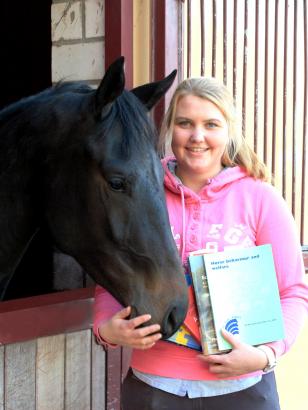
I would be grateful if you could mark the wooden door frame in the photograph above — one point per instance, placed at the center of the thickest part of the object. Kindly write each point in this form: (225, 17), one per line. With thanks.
(119, 35)
(165, 47)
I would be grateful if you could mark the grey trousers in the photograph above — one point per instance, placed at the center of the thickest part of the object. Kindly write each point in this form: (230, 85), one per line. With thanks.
(137, 395)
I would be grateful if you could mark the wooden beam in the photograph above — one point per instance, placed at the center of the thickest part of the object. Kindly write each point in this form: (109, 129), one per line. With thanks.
(119, 35)
(46, 315)
(166, 47)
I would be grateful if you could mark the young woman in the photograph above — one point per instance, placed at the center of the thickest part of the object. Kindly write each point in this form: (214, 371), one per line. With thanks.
(218, 196)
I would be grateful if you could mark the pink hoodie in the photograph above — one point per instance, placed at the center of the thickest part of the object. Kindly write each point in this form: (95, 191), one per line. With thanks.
(231, 210)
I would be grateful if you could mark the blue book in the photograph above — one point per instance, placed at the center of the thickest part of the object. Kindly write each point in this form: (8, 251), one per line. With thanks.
(243, 294)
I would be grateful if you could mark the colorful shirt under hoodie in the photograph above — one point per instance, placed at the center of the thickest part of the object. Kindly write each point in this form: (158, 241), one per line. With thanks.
(232, 210)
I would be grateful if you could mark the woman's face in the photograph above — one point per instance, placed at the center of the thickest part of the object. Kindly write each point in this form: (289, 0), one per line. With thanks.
(199, 138)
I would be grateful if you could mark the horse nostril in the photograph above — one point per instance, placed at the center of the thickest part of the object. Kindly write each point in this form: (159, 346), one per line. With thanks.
(171, 322)
(133, 312)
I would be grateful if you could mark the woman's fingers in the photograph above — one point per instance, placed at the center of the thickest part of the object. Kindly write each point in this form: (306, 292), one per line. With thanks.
(147, 330)
(132, 332)
(123, 314)
(146, 342)
(146, 335)
(139, 320)
(142, 337)
(136, 321)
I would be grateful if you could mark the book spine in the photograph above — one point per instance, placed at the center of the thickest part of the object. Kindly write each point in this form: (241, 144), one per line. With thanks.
(203, 301)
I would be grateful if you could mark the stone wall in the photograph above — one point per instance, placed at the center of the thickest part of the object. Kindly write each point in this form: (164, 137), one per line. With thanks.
(77, 40)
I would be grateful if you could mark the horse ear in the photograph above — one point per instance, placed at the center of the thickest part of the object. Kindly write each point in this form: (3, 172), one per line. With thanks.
(149, 94)
(112, 84)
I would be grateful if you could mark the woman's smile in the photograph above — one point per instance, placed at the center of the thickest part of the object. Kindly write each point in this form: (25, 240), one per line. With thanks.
(197, 149)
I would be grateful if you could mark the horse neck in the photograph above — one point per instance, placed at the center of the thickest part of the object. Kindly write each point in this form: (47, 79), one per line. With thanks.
(18, 219)
(19, 190)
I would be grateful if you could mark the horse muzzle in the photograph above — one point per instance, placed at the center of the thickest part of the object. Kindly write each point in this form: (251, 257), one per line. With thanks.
(169, 321)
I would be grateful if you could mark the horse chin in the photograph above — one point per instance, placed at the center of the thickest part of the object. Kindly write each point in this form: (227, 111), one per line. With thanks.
(170, 323)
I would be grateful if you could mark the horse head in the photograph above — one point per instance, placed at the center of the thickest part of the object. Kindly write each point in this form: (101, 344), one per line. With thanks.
(104, 197)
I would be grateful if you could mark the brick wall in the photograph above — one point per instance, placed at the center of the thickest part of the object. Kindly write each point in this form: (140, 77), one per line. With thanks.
(77, 40)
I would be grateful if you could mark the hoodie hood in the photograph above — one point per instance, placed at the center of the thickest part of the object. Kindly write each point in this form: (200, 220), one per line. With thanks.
(213, 189)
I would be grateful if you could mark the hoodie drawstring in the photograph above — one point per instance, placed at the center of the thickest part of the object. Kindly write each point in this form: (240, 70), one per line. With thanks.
(183, 221)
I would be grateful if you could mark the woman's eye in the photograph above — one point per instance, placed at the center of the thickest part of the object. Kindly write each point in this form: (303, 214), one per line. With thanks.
(117, 184)
(184, 124)
(211, 125)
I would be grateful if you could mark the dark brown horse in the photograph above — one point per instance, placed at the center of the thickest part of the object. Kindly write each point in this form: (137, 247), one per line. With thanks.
(83, 163)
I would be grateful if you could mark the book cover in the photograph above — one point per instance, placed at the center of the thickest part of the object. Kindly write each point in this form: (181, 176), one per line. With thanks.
(183, 337)
(244, 295)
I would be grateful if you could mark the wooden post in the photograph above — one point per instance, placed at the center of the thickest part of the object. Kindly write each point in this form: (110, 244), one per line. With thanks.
(166, 47)
(119, 35)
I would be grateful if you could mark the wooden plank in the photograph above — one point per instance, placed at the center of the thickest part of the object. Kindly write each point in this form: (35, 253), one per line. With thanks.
(77, 375)
(113, 385)
(46, 300)
(50, 373)
(126, 358)
(98, 376)
(1, 377)
(19, 376)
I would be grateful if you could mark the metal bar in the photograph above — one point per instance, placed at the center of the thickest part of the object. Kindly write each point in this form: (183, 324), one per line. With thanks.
(304, 154)
(285, 93)
(256, 90)
(202, 8)
(214, 39)
(245, 67)
(275, 92)
(235, 50)
(188, 38)
(180, 36)
(225, 42)
(294, 108)
(265, 124)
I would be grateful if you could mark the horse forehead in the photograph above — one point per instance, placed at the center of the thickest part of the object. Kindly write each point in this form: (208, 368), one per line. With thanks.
(137, 164)
(124, 141)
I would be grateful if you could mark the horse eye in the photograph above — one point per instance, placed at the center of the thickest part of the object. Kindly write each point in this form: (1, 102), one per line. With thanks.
(117, 184)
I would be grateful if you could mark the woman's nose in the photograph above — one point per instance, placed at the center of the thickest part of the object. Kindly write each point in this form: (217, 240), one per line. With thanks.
(198, 134)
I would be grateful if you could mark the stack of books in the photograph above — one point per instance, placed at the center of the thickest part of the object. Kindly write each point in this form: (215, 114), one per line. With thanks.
(235, 290)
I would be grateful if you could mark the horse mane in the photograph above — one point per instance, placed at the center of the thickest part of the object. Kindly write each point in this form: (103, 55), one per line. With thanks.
(126, 110)
(133, 115)
(78, 87)
(16, 108)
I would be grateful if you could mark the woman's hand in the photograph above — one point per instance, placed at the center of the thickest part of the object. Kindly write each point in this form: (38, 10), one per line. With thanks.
(126, 332)
(242, 359)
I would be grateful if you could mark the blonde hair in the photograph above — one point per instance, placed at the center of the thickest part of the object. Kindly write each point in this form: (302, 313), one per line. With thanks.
(237, 151)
